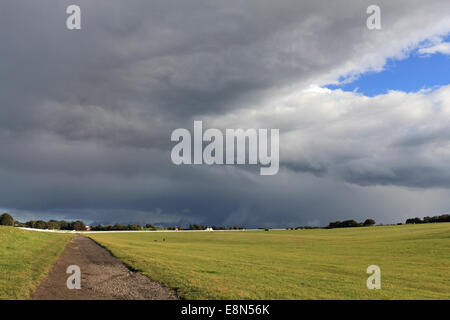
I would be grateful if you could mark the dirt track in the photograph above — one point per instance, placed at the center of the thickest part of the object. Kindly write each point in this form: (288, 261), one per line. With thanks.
(102, 277)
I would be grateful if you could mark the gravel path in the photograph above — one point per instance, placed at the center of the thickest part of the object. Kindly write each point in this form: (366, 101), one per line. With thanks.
(102, 277)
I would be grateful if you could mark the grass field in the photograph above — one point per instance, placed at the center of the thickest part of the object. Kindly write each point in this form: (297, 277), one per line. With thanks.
(25, 259)
(303, 264)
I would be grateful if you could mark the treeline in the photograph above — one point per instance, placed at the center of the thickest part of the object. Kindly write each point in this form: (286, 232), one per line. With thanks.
(350, 224)
(119, 227)
(202, 227)
(135, 227)
(441, 218)
(371, 222)
(53, 225)
(301, 228)
(7, 220)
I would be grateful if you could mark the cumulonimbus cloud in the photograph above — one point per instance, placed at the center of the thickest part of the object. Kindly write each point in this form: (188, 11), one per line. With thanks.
(86, 116)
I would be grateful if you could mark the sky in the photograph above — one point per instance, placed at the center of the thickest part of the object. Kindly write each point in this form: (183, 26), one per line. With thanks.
(427, 67)
(86, 115)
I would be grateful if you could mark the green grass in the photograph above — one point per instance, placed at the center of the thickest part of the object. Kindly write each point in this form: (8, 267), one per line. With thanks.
(25, 259)
(303, 264)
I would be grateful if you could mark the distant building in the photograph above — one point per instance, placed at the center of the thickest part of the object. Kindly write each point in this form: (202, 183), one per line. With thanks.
(209, 229)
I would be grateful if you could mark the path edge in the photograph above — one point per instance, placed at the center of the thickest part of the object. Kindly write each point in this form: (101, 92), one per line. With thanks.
(132, 269)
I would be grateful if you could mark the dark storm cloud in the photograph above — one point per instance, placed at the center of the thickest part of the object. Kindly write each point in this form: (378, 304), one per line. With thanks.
(86, 116)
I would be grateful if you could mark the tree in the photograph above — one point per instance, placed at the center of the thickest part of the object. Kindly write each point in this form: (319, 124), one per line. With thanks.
(6, 220)
(196, 227)
(40, 224)
(336, 224)
(349, 224)
(78, 226)
(413, 221)
(344, 224)
(118, 226)
(134, 227)
(53, 225)
(63, 225)
(369, 222)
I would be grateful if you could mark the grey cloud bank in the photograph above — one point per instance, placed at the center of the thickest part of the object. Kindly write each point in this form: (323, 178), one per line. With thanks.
(86, 116)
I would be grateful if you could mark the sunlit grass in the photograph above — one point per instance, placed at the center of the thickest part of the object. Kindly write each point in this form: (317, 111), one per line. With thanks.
(303, 264)
(25, 259)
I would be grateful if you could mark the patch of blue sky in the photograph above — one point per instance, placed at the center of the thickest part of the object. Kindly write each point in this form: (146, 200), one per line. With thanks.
(416, 72)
